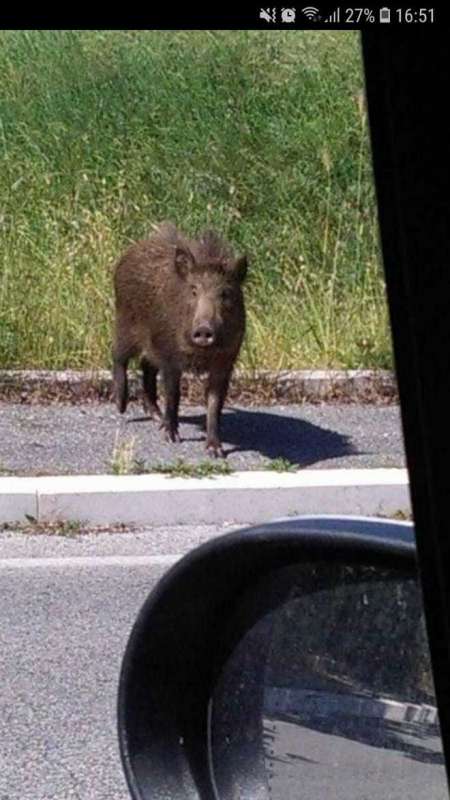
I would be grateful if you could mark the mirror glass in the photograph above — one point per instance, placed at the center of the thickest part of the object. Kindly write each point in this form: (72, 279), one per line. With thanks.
(327, 690)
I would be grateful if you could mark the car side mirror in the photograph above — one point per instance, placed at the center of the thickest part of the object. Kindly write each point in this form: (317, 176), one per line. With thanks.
(283, 661)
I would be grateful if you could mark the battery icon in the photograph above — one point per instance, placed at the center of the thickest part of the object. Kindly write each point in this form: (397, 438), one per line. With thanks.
(385, 15)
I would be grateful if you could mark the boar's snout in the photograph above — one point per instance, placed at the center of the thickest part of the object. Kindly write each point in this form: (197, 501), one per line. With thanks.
(203, 335)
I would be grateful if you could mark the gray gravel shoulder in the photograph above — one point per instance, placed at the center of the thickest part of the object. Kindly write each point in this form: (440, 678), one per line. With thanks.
(150, 541)
(84, 439)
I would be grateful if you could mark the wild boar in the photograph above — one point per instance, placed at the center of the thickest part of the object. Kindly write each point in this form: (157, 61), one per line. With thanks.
(179, 306)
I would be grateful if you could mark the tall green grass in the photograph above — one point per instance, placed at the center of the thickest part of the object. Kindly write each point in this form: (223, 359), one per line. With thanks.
(262, 135)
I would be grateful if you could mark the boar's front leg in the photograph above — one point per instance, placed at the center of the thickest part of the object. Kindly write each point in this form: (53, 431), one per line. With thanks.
(120, 383)
(122, 353)
(149, 373)
(216, 392)
(171, 377)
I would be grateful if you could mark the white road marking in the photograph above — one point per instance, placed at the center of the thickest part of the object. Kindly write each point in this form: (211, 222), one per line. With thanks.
(79, 562)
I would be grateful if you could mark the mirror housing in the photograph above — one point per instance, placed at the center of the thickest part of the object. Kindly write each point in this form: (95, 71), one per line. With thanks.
(188, 628)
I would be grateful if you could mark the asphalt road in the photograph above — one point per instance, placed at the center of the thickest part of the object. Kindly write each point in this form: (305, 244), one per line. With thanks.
(82, 439)
(64, 623)
(66, 609)
(335, 764)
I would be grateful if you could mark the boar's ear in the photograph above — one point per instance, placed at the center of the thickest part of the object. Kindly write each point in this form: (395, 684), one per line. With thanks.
(239, 268)
(184, 261)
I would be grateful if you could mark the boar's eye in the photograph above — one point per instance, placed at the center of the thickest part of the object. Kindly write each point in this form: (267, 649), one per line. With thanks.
(194, 291)
(227, 294)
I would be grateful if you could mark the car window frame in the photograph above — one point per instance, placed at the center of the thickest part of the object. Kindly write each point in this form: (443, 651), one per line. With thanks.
(405, 77)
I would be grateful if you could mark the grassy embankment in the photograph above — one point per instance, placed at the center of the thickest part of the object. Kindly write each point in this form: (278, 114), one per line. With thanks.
(261, 135)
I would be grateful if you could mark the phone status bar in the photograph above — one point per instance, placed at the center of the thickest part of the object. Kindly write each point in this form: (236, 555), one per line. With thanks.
(312, 15)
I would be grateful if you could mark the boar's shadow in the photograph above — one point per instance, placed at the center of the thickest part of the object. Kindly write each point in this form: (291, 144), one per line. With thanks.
(275, 435)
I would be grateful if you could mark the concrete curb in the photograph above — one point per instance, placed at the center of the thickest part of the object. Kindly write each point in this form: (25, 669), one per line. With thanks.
(272, 386)
(242, 497)
(307, 703)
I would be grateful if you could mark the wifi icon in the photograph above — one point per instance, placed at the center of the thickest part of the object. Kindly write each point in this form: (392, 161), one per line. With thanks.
(311, 13)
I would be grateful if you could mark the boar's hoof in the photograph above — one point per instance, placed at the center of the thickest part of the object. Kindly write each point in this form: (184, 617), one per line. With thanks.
(120, 396)
(214, 448)
(152, 409)
(170, 432)
(121, 404)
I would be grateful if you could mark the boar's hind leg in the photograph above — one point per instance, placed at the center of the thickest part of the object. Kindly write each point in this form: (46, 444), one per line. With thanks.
(171, 379)
(216, 392)
(149, 373)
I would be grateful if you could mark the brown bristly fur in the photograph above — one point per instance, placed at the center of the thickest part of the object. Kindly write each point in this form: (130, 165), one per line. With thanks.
(174, 294)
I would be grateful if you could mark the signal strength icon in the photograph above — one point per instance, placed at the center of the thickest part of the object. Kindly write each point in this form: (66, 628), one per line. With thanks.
(311, 13)
(335, 17)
